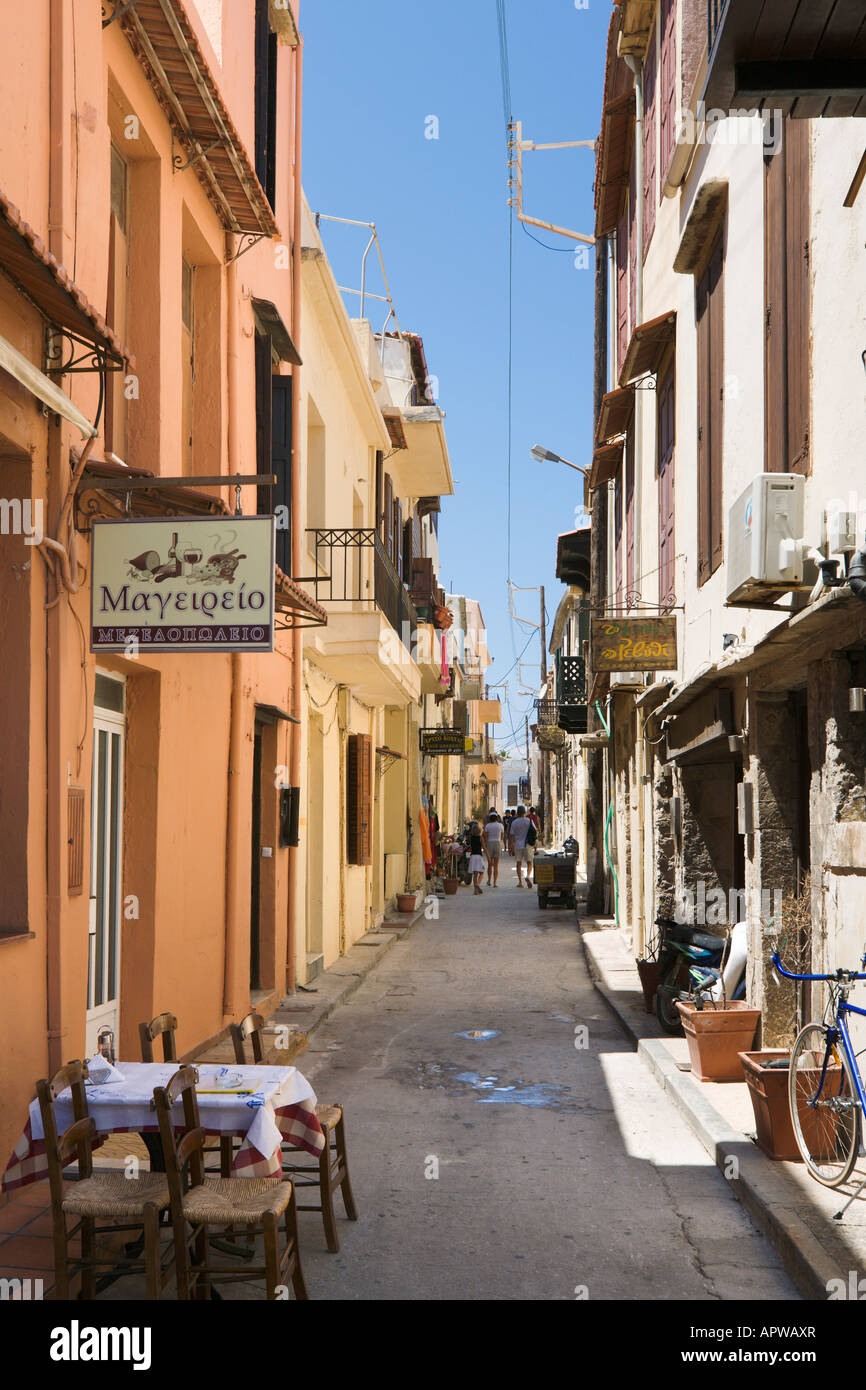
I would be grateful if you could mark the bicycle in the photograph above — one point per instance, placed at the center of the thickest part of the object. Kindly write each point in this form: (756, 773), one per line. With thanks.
(825, 1088)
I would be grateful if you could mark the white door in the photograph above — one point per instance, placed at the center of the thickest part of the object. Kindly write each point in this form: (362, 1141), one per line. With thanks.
(103, 975)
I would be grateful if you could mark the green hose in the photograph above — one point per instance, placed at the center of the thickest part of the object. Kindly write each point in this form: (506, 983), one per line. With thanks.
(607, 828)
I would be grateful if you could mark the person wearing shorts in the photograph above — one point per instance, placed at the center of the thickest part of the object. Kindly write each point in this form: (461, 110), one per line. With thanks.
(493, 836)
(476, 856)
(522, 852)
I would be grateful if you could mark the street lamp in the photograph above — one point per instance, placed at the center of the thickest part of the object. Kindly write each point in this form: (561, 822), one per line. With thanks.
(542, 455)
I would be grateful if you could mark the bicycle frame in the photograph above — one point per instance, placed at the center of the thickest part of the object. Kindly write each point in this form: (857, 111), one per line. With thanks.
(838, 1030)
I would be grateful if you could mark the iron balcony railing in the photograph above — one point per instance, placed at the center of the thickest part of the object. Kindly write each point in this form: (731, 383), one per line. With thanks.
(353, 566)
(570, 680)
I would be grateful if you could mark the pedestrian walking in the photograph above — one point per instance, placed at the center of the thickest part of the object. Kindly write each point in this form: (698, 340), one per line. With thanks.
(492, 837)
(476, 855)
(520, 828)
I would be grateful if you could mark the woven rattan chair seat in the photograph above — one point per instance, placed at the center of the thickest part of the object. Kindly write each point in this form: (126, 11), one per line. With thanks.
(221, 1201)
(114, 1194)
(328, 1115)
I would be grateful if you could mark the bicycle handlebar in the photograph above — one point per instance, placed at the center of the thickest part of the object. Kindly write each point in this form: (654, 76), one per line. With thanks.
(837, 976)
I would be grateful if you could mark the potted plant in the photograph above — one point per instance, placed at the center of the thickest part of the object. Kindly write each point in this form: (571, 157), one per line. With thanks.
(648, 969)
(765, 1070)
(717, 1033)
(407, 902)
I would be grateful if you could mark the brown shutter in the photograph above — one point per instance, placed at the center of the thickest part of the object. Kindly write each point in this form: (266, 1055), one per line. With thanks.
(398, 535)
(665, 436)
(775, 314)
(622, 250)
(388, 515)
(359, 798)
(667, 100)
(75, 840)
(632, 249)
(717, 403)
(796, 147)
(377, 520)
(649, 142)
(617, 532)
(703, 323)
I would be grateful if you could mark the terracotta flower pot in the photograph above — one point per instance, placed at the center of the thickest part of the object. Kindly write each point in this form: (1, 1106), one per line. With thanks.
(716, 1037)
(407, 902)
(768, 1090)
(451, 885)
(649, 979)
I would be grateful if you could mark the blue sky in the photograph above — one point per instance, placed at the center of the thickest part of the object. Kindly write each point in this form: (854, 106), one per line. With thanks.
(373, 74)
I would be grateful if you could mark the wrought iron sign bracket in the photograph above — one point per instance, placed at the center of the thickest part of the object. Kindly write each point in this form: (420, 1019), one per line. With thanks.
(645, 383)
(66, 352)
(386, 758)
(246, 242)
(120, 9)
(178, 162)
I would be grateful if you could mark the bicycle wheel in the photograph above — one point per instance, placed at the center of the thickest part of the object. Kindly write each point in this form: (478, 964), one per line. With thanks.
(825, 1115)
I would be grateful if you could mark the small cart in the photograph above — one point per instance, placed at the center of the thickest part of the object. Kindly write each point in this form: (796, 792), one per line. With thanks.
(555, 876)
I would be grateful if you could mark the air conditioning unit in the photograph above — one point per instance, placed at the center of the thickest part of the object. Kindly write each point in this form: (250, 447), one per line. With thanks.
(626, 679)
(840, 531)
(765, 540)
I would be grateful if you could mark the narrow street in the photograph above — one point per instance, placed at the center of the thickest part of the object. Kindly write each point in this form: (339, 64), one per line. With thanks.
(560, 1168)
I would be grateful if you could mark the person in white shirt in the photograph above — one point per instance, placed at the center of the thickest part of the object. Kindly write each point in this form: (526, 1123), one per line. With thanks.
(492, 837)
(522, 852)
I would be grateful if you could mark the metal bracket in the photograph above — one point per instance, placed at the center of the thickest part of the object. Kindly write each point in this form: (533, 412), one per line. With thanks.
(251, 239)
(645, 383)
(178, 163)
(386, 758)
(120, 9)
(61, 346)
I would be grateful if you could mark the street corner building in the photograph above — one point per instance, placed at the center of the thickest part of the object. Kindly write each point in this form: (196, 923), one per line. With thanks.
(726, 649)
(224, 631)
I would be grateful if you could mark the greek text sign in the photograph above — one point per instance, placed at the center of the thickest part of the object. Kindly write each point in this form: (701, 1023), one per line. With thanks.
(634, 644)
(183, 584)
(442, 742)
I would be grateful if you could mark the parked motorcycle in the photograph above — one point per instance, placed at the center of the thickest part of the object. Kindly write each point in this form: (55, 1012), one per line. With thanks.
(682, 947)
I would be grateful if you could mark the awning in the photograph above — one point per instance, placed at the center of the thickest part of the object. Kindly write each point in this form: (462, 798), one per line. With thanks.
(605, 462)
(270, 714)
(163, 40)
(299, 607)
(42, 387)
(613, 162)
(93, 501)
(572, 558)
(394, 425)
(648, 345)
(616, 411)
(28, 263)
(270, 321)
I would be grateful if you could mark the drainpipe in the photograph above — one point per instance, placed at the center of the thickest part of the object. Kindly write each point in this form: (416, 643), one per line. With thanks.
(237, 831)
(297, 650)
(636, 66)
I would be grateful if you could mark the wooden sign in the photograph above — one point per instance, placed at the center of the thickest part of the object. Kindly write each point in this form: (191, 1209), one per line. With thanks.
(634, 644)
(443, 743)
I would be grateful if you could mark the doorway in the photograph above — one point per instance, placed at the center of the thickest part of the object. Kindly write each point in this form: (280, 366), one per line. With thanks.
(106, 863)
(316, 840)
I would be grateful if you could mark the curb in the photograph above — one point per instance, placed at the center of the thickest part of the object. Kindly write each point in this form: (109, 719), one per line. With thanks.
(763, 1194)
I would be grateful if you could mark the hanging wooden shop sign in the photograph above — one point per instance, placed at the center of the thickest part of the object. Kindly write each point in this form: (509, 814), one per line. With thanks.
(634, 644)
(442, 743)
(183, 584)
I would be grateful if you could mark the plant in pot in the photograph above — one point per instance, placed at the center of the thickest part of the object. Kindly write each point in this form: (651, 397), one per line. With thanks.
(451, 882)
(717, 1031)
(648, 970)
(766, 1070)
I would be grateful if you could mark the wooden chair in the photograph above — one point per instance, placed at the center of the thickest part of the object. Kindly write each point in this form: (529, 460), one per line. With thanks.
(129, 1204)
(332, 1168)
(203, 1202)
(165, 1026)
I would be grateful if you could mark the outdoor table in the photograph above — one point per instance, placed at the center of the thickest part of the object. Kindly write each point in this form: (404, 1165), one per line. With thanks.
(281, 1108)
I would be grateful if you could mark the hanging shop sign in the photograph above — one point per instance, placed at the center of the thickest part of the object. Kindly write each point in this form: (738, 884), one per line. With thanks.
(442, 742)
(183, 584)
(634, 644)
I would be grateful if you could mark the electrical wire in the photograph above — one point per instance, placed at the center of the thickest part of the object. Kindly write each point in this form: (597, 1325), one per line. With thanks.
(563, 250)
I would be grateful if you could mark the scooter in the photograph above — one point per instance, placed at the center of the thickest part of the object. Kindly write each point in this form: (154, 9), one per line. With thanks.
(699, 967)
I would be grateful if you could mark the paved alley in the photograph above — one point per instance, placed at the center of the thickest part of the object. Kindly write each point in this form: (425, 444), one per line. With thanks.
(562, 1170)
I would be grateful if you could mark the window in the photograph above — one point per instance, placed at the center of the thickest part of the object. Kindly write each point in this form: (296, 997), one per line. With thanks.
(667, 90)
(649, 142)
(117, 308)
(359, 799)
(187, 362)
(266, 101)
(786, 303)
(274, 446)
(709, 306)
(665, 431)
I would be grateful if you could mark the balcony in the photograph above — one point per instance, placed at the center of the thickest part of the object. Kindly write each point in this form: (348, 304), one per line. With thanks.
(775, 56)
(372, 621)
(428, 658)
(571, 693)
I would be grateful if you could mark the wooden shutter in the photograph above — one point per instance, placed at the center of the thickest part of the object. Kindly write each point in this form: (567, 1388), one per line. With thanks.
(667, 99)
(632, 249)
(265, 89)
(359, 759)
(264, 406)
(703, 324)
(775, 314)
(281, 464)
(796, 146)
(621, 290)
(75, 840)
(408, 552)
(388, 515)
(377, 521)
(617, 533)
(717, 403)
(629, 519)
(649, 142)
(665, 437)
(397, 534)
